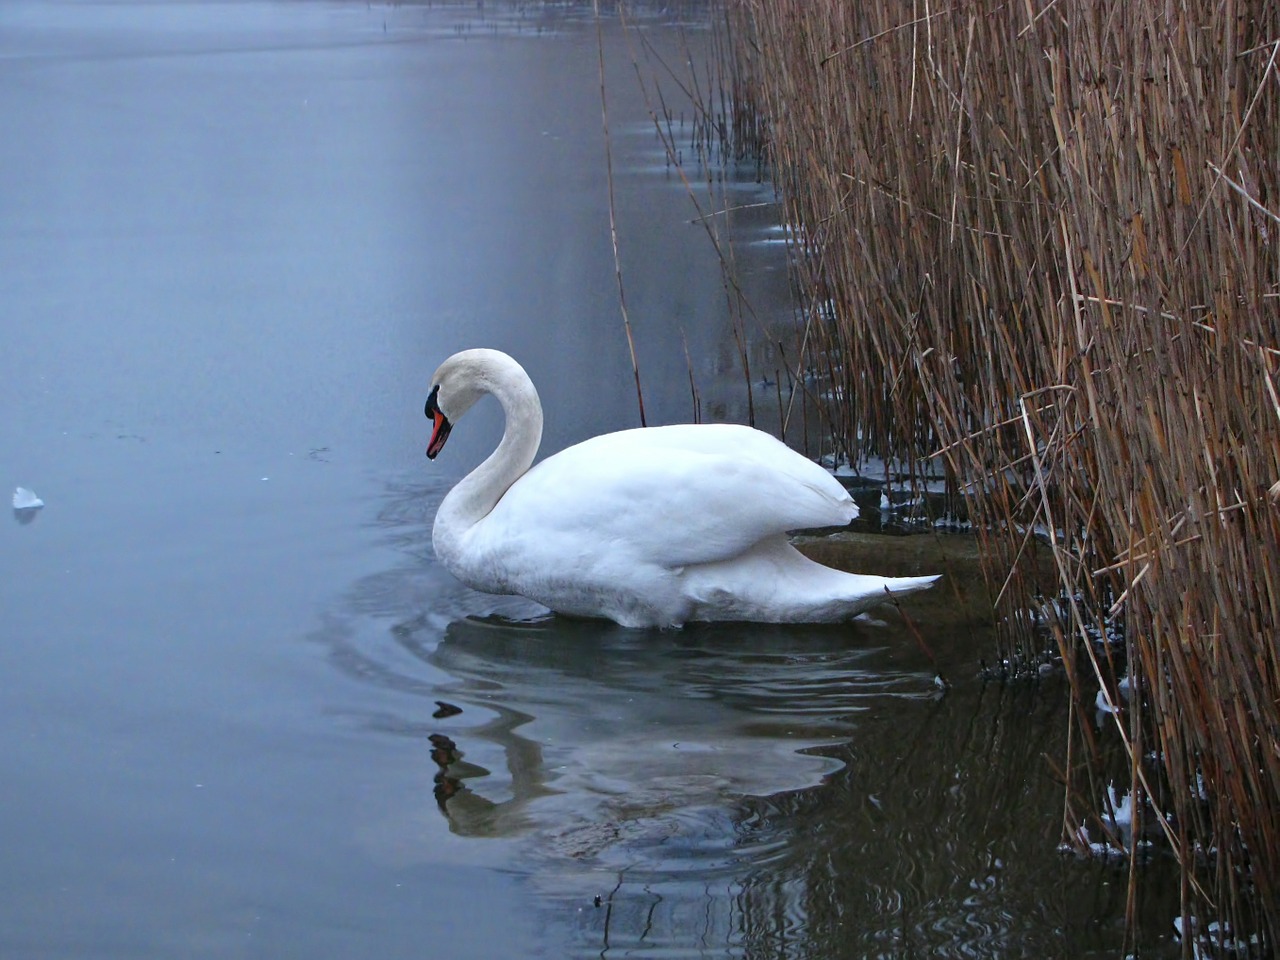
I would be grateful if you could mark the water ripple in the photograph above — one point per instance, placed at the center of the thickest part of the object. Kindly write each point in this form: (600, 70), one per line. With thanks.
(721, 790)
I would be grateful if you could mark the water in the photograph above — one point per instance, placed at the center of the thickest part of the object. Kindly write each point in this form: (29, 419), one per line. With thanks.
(245, 714)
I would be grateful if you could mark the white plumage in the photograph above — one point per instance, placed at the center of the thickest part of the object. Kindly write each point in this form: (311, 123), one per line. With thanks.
(655, 526)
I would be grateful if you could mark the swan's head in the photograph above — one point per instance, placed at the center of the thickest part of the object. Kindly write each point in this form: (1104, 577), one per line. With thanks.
(462, 380)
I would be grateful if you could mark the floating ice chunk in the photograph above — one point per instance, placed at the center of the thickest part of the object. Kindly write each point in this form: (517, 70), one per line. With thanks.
(1104, 705)
(1121, 813)
(24, 499)
(1214, 940)
(1200, 788)
(1087, 846)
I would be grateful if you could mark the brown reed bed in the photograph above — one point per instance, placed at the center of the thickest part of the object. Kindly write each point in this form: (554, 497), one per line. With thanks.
(1040, 243)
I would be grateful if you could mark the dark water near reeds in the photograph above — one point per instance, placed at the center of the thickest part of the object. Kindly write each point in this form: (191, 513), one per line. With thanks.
(235, 239)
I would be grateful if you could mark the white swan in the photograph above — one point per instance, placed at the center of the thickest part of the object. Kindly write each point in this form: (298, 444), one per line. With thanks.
(649, 527)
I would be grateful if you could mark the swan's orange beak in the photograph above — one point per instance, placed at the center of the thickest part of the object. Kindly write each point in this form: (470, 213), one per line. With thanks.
(439, 435)
(440, 425)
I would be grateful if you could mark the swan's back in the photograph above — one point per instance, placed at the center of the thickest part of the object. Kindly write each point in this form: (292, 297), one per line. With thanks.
(677, 495)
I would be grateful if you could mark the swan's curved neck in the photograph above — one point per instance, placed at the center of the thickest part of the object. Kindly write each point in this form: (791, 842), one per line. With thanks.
(468, 503)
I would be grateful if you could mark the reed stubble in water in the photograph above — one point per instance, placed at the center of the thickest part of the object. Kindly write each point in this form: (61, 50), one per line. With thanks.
(1042, 243)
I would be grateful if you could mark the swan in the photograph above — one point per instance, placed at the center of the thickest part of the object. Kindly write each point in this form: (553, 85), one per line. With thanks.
(650, 527)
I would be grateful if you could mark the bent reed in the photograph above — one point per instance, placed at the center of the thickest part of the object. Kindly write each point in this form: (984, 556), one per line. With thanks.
(1040, 243)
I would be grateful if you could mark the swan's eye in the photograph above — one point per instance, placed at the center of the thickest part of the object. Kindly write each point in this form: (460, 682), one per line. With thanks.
(431, 408)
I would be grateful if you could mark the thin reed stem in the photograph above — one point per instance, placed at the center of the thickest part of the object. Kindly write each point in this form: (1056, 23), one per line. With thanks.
(613, 216)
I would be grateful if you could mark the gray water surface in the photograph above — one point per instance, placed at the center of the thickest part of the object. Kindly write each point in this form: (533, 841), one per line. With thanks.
(243, 711)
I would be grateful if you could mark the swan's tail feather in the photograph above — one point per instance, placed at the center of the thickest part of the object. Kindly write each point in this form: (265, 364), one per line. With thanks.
(775, 583)
(898, 586)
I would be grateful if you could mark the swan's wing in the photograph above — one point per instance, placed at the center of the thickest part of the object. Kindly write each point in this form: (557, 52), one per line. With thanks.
(677, 495)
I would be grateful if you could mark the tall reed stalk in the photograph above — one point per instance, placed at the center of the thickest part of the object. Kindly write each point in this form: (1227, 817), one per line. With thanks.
(613, 214)
(1041, 243)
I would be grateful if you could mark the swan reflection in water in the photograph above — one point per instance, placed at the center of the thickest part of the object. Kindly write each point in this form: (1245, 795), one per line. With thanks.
(599, 736)
(753, 787)
(581, 730)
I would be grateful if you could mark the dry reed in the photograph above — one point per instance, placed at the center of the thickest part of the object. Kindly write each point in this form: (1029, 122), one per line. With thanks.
(1041, 243)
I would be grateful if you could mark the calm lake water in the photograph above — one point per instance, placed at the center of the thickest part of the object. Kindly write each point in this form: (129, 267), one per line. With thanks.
(245, 714)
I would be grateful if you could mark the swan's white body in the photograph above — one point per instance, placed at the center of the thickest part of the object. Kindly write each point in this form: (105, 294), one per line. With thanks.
(656, 526)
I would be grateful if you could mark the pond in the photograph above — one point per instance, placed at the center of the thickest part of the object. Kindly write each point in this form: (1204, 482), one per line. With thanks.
(244, 711)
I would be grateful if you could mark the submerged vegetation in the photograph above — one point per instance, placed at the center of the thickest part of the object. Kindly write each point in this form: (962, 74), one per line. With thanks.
(1040, 244)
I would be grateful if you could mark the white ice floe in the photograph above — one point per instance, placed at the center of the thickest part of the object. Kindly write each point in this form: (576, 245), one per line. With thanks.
(1087, 846)
(1103, 704)
(1117, 821)
(1214, 940)
(24, 499)
(1200, 788)
(1120, 815)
